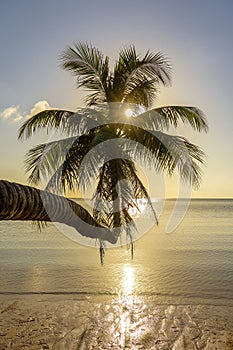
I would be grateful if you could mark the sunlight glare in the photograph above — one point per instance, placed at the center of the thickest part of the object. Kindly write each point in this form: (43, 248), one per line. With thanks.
(129, 112)
(128, 280)
(141, 204)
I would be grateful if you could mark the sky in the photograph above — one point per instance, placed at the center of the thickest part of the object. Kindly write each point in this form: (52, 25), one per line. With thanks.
(195, 35)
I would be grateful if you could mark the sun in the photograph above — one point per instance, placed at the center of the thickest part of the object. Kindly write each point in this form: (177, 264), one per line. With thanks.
(129, 112)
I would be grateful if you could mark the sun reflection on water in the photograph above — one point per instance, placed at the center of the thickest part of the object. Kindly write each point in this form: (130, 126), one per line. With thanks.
(127, 305)
(128, 282)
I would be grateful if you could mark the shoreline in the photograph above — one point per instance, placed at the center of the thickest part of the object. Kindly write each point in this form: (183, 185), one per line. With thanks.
(126, 322)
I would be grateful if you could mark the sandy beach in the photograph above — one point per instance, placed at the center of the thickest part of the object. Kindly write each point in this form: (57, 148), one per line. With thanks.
(60, 322)
(175, 294)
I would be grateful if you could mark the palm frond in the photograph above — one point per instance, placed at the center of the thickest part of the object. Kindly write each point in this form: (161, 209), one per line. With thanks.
(166, 152)
(157, 66)
(112, 197)
(150, 71)
(76, 172)
(44, 159)
(90, 67)
(136, 76)
(83, 121)
(117, 190)
(98, 153)
(47, 119)
(137, 187)
(69, 123)
(161, 118)
(58, 161)
(73, 162)
(140, 90)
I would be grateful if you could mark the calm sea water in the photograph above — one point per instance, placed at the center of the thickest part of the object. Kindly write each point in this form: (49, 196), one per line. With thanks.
(193, 264)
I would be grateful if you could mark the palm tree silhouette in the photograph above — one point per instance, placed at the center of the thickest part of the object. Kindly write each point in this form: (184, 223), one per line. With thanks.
(103, 143)
(20, 202)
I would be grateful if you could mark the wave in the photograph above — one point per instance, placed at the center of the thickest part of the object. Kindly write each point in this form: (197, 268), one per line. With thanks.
(115, 294)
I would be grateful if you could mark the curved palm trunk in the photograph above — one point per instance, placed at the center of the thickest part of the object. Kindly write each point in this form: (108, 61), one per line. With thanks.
(20, 202)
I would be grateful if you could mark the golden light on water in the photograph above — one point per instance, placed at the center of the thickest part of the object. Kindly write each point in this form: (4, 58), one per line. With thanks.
(126, 302)
(36, 280)
(129, 309)
(128, 280)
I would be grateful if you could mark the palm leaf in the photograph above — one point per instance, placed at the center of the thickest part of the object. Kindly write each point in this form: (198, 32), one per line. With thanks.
(58, 161)
(138, 73)
(70, 123)
(117, 190)
(112, 198)
(161, 118)
(47, 119)
(166, 152)
(43, 159)
(90, 67)
(134, 77)
(70, 174)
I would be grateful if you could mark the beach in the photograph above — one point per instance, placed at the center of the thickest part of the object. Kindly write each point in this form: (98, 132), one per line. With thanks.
(177, 292)
(55, 322)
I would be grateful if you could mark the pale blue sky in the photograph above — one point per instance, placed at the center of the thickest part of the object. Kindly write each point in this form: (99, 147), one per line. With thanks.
(195, 35)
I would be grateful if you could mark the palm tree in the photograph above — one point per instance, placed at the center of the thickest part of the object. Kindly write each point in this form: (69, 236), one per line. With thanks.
(20, 202)
(113, 141)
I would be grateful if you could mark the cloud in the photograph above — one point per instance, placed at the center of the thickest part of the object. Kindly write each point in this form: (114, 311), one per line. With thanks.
(12, 113)
(18, 118)
(9, 112)
(37, 108)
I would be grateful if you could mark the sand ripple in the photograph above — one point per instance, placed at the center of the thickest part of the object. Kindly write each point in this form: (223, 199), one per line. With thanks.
(58, 323)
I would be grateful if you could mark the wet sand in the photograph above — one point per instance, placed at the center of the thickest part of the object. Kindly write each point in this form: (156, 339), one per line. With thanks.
(77, 322)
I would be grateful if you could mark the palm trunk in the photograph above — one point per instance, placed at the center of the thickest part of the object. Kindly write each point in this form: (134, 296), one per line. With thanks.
(20, 202)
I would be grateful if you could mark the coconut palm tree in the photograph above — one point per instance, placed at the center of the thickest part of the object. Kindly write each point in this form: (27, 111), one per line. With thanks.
(20, 202)
(101, 142)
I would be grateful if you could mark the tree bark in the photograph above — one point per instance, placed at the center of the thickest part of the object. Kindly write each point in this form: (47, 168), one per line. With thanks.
(20, 202)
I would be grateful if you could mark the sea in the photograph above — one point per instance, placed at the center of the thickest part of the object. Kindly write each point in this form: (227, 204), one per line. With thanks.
(190, 264)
